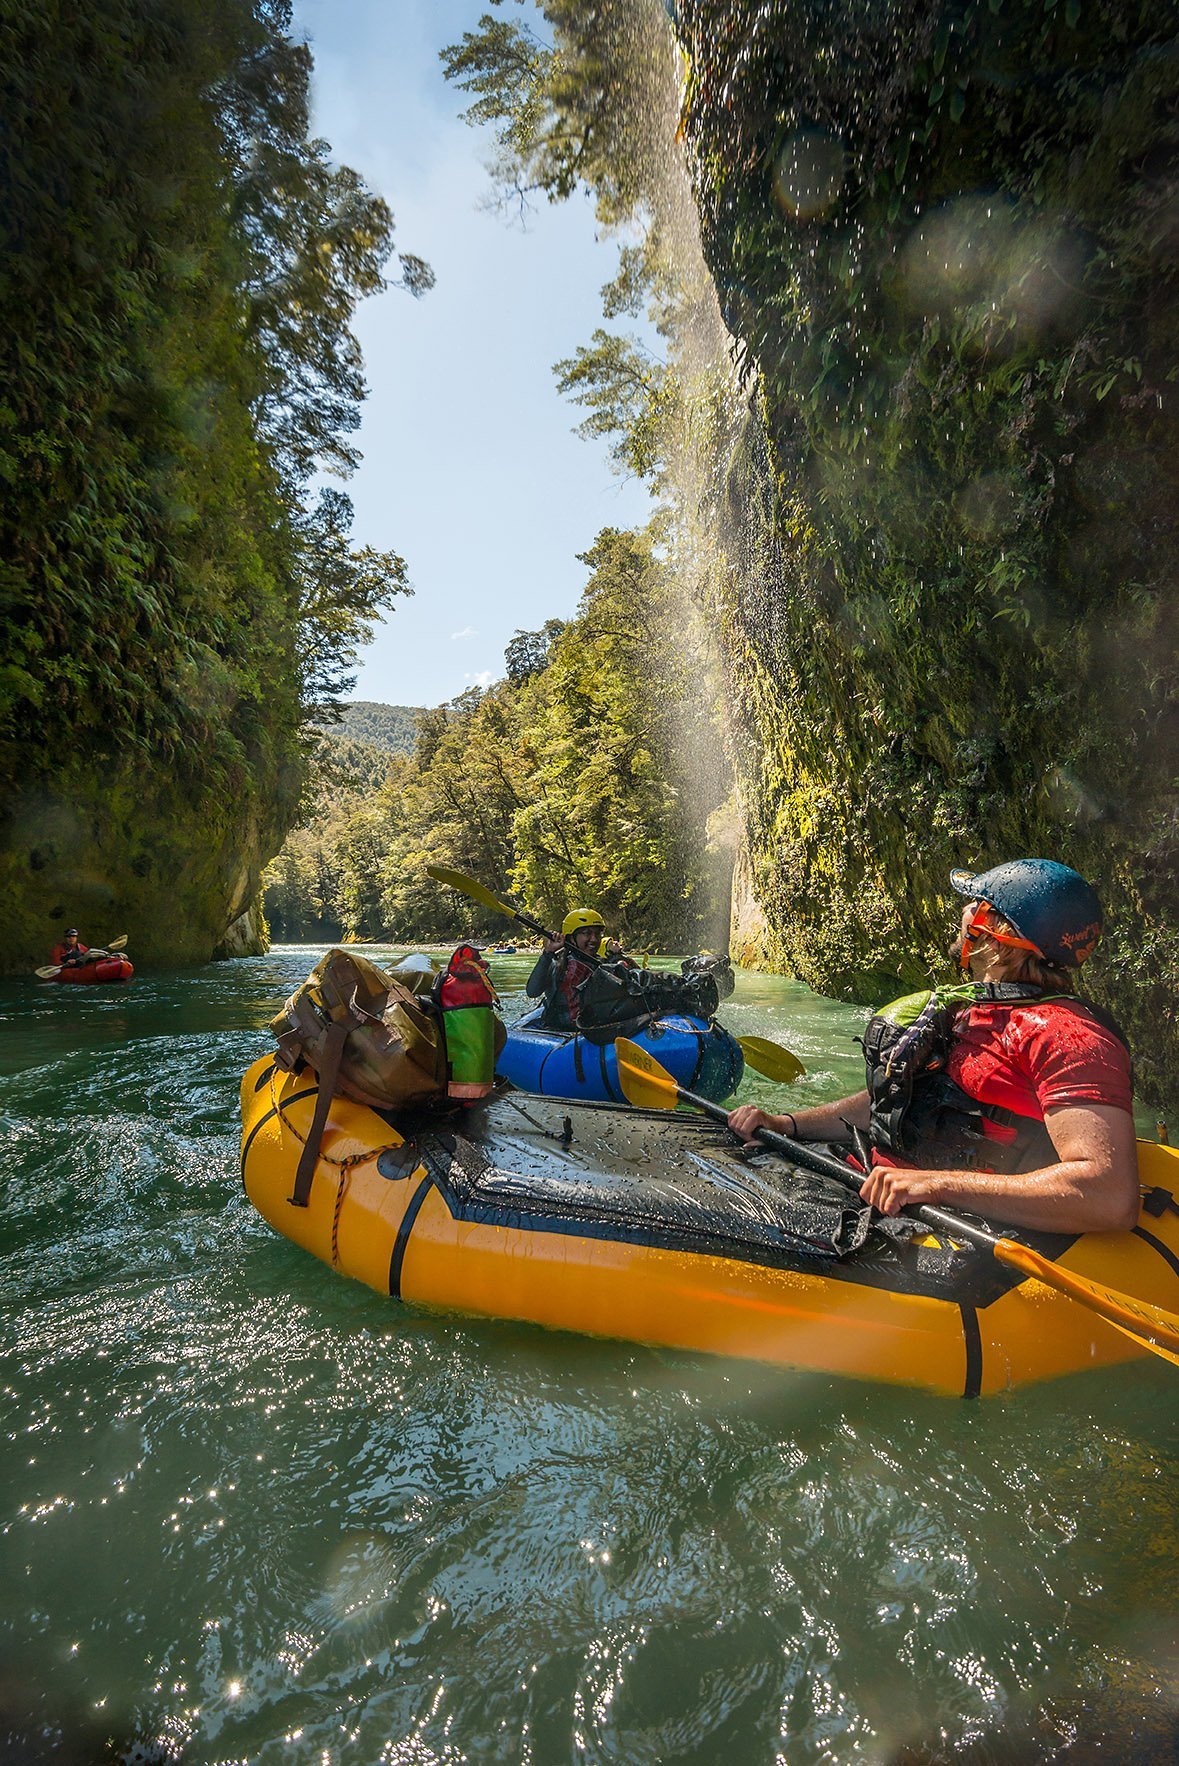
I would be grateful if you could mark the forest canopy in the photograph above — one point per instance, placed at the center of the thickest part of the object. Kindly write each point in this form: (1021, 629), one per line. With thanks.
(587, 775)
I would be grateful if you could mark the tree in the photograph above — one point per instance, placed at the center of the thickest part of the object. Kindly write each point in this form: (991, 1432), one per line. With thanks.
(341, 591)
(624, 388)
(528, 652)
(588, 773)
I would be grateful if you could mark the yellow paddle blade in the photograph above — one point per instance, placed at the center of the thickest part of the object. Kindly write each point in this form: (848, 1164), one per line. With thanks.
(1144, 1341)
(117, 943)
(771, 1059)
(468, 886)
(1152, 1326)
(47, 971)
(644, 1082)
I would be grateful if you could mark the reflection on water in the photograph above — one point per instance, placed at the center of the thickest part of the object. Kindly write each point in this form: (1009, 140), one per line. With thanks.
(250, 1512)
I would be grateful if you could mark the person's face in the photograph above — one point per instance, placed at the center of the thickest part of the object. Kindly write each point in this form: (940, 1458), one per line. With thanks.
(587, 940)
(71, 938)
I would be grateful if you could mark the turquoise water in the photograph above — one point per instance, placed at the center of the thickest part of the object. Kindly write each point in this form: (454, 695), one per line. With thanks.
(250, 1512)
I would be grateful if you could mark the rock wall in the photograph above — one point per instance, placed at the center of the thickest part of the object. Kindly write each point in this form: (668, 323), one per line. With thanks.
(946, 239)
(752, 941)
(120, 853)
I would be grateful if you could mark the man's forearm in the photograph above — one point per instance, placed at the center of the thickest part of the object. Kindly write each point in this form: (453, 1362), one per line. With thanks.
(825, 1122)
(1070, 1196)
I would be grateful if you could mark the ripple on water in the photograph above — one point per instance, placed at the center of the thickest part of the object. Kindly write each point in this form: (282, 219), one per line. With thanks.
(250, 1512)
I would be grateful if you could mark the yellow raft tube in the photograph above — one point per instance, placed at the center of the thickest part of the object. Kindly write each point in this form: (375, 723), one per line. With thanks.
(657, 1228)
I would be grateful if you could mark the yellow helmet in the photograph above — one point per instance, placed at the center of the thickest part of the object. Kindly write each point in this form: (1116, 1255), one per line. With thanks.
(576, 918)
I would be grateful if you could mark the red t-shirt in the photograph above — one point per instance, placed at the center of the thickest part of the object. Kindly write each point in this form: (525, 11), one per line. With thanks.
(60, 952)
(1035, 1057)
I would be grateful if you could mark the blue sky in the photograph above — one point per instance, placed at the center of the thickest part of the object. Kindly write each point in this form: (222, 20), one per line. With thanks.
(471, 468)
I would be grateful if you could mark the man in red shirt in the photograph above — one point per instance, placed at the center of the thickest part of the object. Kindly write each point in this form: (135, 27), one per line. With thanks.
(1007, 1095)
(69, 951)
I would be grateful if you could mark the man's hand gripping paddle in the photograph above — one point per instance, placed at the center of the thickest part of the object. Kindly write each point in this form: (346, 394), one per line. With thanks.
(650, 1086)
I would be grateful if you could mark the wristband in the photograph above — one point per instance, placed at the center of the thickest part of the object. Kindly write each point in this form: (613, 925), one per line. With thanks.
(793, 1125)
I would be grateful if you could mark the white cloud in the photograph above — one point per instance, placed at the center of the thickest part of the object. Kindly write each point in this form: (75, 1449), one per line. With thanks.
(468, 631)
(482, 679)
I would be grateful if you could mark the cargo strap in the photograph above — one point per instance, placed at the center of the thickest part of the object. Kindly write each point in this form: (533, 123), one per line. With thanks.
(328, 1072)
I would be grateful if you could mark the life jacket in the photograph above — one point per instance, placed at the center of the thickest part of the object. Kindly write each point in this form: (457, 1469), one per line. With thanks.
(918, 1112)
(564, 1005)
(68, 953)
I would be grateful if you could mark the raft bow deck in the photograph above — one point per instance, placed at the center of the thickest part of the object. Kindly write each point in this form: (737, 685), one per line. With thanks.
(657, 1228)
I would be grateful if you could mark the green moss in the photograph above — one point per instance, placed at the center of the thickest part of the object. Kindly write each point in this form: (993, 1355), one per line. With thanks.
(179, 266)
(112, 851)
(954, 517)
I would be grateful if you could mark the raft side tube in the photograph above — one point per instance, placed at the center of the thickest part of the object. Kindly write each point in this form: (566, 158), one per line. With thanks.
(402, 1222)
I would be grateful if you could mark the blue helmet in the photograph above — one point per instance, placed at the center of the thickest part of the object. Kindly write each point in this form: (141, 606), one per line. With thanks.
(1050, 904)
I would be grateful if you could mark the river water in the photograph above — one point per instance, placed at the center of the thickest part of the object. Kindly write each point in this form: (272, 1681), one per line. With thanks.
(252, 1512)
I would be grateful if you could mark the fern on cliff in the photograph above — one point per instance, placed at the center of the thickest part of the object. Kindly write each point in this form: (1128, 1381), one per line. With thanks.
(179, 268)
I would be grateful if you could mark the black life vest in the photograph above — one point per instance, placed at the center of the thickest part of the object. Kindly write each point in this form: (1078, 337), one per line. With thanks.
(920, 1114)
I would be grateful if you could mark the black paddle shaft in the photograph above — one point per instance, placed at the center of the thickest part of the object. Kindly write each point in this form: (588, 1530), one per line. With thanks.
(828, 1166)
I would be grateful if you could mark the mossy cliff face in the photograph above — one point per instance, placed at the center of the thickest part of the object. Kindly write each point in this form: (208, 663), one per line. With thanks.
(118, 853)
(179, 263)
(946, 238)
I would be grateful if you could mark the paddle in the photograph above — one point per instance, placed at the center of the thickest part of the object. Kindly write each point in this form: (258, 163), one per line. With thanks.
(468, 886)
(771, 1059)
(649, 1086)
(92, 956)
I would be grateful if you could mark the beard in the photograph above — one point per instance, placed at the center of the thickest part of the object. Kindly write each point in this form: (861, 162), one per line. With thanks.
(954, 951)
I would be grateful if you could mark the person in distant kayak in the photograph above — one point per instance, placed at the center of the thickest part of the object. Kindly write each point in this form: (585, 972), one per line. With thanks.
(69, 952)
(561, 970)
(1007, 1094)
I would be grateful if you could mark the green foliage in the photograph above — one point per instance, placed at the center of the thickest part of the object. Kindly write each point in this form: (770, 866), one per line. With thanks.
(565, 107)
(179, 270)
(314, 243)
(340, 591)
(527, 653)
(391, 728)
(592, 106)
(622, 386)
(620, 783)
(946, 241)
(325, 879)
(587, 774)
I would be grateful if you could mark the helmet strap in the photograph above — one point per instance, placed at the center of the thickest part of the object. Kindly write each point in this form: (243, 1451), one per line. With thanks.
(984, 922)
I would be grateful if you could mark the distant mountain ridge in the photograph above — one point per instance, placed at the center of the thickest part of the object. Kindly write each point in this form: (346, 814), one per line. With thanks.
(391, 728)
